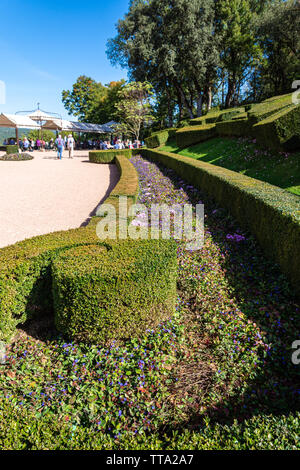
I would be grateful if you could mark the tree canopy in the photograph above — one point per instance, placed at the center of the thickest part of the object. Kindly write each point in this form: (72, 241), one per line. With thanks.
(91, 101)
(194, 52)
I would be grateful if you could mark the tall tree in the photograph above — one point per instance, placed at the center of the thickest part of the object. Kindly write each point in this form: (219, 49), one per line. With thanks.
(170, 43)
(91, 101)
(134, 108)
(239, 50)
(278, 31)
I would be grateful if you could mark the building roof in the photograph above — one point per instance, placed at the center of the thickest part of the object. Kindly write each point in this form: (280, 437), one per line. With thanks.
(16, 121)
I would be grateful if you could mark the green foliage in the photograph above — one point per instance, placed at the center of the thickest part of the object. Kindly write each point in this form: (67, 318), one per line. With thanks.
(280, 130)
(173, 46)
(270, 213)
(12, 149)
(228, 116)
(234, 128)
(114, 291)
(245, 156)
(190, 135)
(16, 157)
(261, 111)
(216, 115)
(91, 101)
(159, 138)
(277, 30)
(45, 134)
(108, 156)
(22, 430)
(58, 395)
(273, 122)
(25, 277)
(134, 108)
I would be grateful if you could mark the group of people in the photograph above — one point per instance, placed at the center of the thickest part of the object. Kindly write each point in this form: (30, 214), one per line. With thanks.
(115, 143)
(29, 145)
(65, 143)
(69, 143)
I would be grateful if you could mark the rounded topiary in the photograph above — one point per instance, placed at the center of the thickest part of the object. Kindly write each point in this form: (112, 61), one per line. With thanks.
(16, 157)
(114, 290)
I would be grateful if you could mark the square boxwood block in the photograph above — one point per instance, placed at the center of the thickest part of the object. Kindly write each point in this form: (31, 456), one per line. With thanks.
(261, 111)
(11, 149)
(159, 138)
(281, 131)
(114, 290)
(234, 128)
(108, 156)
(193, 135)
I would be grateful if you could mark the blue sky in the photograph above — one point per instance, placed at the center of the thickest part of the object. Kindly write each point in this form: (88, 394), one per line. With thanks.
(45, 46)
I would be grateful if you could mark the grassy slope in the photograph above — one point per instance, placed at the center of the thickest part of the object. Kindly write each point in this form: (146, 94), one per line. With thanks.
(244, 156)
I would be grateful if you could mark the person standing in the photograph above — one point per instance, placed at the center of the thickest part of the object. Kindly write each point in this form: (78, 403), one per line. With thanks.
(60, 146)
(71, 145)
(25, 144)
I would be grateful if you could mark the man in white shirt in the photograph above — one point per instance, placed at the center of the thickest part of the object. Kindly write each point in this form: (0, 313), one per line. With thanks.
(71, 145)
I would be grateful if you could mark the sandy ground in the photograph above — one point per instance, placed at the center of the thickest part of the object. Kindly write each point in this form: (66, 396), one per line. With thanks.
(46, 195)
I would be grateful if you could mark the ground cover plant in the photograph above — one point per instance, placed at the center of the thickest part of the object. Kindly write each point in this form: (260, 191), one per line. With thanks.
(16, 157)
(245, 156)
(218, 375)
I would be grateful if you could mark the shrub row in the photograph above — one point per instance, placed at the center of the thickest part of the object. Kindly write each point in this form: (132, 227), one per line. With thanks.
(21, 430)
(159, 138)
(26, 267)
(214, 115)
(108, 156)
(192, 135)
(280, 130)
(270, 213)
(261, 111)
(234, 128)
(114, 290)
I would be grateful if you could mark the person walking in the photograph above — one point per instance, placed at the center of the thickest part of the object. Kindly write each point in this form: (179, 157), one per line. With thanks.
(60, 146)
(71, 145)
(25, 144)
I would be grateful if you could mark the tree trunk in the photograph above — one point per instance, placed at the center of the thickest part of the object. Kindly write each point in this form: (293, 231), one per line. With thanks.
(170, 109)
(230, 92)
(199, 105)
(184, 99)
(209, 98)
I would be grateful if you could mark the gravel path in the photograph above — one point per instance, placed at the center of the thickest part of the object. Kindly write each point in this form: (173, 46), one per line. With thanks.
(45, 194)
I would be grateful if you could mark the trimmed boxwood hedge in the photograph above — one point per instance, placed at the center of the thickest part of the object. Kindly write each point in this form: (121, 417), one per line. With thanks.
(114, 290)
(12, 149)
(280, 130)
(25, 275)
(159, 138)
(108, 156)
(234, 128)
(214, 115)
(261, 111)
(192, 135)
(270, 213)
(228, 115)
(275, 124)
